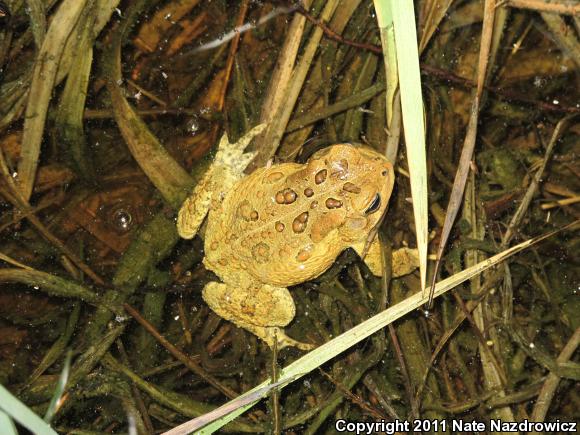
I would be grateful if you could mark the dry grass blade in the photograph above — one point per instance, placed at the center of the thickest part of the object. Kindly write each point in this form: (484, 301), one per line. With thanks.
(549, 388)
(249, 399)
(567, 7)
(172, 181)
(52, 285)
(435, 12)
(564, 36)
(331, 349)
(14, 262)
(283, 70)
(469, 143)
(45, 70)
(275, 130)
(37, 11)
(385, 22)
(561, 202)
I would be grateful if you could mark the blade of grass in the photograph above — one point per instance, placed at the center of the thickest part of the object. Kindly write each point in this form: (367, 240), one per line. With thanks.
(469, 143)
(43, 81)
(59, 390)
(275, 130)
(552, 380)
(7, 425)
(329, 350)
(413, 120)
(54, 286)
(69, 129)
(436, 10)
(387, 31)
(22, 414)
(37, 12)
(172, 181)
(58, 346)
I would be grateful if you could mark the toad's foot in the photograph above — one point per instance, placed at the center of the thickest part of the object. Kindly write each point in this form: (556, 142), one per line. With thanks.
(232, 155)
(261, 310)
(277, 334)
(404, 261)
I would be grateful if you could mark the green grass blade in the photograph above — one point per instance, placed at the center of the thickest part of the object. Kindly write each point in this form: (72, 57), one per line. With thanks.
(413, 120)
(22, 414)
(7, 426)
(59, 390)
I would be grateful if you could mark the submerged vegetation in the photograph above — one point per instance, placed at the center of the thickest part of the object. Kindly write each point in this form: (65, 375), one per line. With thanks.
(109, 112)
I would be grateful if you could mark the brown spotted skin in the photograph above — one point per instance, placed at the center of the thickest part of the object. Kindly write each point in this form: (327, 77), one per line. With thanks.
(286, 224)
(282, 225)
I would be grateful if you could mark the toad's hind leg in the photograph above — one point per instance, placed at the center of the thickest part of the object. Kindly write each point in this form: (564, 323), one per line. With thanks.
(260, 310)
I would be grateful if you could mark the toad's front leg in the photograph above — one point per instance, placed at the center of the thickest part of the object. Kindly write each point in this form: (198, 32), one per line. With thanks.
(262, 310)
(225, 170)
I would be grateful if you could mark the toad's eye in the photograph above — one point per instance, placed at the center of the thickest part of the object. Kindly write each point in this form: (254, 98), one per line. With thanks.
(375, 205)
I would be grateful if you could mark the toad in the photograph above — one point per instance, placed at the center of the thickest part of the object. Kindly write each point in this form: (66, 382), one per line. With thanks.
(283, 225)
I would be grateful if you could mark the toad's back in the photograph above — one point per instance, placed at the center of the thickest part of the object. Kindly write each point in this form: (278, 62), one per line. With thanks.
(286, 224)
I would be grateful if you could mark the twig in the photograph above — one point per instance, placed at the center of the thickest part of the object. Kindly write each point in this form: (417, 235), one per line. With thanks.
(18, 201)
(441, 73)
(232, 53)
(186, 360)
(275, 130)
(561, 202)
(331, 34)
(533, 187)
(108, 113)
(340, 106)
(353, 397)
